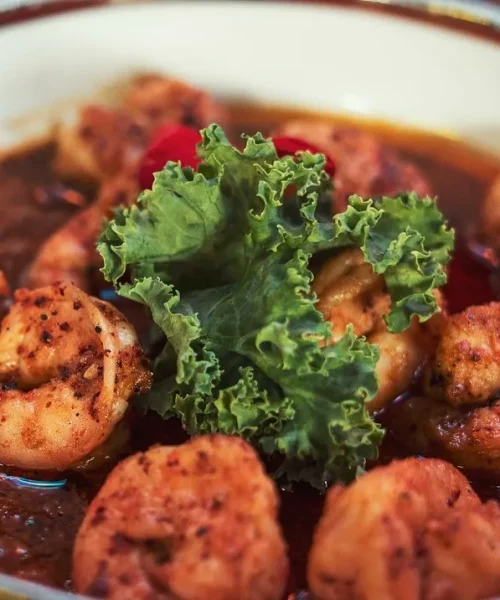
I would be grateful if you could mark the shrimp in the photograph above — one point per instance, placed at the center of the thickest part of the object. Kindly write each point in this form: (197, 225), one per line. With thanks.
(191, 522)
(464, 552)
(410, 530)
(459, 416)
(466, 436)
(70, 252)
(466, 366)
(105, 147)
(108, 141)
(162, 100)
(103, 143)
(363, 165)
(68, 365)
(401, 357)
(349, 292)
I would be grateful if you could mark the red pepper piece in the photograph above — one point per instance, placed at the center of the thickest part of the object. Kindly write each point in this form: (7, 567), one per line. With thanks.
(175, 142)
(288, 146)
(171, 142)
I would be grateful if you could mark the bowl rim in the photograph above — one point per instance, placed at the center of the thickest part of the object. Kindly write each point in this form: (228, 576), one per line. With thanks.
(477, 37)
(428, 13)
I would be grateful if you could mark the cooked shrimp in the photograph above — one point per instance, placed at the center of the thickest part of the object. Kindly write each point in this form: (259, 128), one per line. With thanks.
(107, 141)
(68, 365)
(191, 522)
(162, 100)
(459, 418)
(401, 357)
(103, 143)
(466, 366)
(466, 436)
(69, 253)
(410, 530)
(364, 166)
(464, 551)
(349, 292)
(437, 322)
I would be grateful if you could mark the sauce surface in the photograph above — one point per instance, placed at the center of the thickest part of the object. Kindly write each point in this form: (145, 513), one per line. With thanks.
(37, 528)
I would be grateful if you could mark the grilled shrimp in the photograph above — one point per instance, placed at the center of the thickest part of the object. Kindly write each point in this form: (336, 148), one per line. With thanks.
(466, 366)
(459, 417)
(103, 143)
(162, 100)
(467, 436)
(68, 365)
(349, 292)
(106, 147)
(413, 529)
(70, 252)
(401, 357)
(364, 166)
(107, 141)
(191, 522)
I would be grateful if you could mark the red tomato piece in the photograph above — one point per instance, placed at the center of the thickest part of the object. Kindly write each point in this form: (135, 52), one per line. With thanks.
(288, 146)
(172, 142)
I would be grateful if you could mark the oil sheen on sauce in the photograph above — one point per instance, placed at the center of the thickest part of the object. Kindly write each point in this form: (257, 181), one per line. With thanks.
(37, 528)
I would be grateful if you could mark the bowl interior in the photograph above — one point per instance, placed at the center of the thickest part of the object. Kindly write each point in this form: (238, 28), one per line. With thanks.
(335, 59)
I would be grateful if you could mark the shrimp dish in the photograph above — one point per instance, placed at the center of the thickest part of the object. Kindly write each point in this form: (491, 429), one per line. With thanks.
(247, 353)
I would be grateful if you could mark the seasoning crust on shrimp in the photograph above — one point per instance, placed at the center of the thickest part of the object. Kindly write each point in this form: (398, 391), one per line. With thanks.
(458, 416)
(192, 522)
(68, 366)
(466, 366)
(109, 141)
(413, 529)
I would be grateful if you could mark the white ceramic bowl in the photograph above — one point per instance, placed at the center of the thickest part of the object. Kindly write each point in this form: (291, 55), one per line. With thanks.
(338, 59)
(330, 58)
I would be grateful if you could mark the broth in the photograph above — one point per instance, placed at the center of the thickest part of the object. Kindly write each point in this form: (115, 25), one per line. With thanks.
(32, 209)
